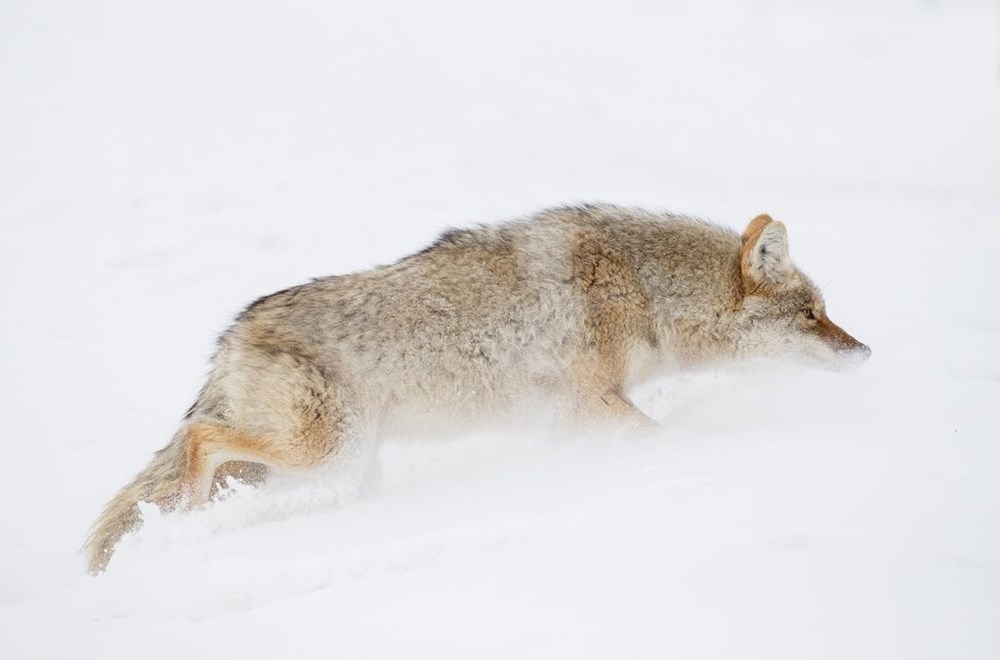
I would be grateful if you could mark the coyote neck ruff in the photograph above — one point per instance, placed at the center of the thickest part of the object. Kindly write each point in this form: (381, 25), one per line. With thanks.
(574, 303)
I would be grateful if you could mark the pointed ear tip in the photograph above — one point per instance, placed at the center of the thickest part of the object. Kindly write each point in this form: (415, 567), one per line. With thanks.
(755, 226)
(777, 225)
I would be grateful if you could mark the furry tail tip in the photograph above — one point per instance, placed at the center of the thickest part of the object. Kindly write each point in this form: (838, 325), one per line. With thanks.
(159, 483)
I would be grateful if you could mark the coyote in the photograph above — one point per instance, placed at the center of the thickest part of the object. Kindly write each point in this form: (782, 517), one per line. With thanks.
(574, 303)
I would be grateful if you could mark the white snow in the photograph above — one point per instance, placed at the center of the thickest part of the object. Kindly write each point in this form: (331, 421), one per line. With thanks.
(163, 164)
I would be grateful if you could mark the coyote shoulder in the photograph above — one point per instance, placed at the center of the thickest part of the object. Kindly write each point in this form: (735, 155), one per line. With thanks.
(573, 303)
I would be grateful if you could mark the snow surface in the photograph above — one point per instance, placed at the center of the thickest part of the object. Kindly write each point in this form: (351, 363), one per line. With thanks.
(163, 164)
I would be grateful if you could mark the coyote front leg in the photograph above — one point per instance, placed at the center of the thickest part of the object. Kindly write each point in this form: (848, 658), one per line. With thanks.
(618, 406)
(600, 399)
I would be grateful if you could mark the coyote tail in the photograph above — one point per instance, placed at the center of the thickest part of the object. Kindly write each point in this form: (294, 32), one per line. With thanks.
(159, 483)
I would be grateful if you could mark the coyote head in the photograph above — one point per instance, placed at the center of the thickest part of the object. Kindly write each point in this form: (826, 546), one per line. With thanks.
(783, 311)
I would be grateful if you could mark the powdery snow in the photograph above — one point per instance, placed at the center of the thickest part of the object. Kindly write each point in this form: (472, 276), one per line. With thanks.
(163, 165)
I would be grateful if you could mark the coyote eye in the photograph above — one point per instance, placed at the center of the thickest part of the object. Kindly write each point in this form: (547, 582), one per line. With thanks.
(809, 313)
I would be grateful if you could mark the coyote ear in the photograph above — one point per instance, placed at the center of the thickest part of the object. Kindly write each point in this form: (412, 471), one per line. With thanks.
(764, 257)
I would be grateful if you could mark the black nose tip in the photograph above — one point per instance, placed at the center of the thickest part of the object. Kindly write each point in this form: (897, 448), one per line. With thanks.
(866, 351)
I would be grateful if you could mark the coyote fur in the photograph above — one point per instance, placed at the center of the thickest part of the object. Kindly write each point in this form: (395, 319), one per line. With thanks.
(574, 303)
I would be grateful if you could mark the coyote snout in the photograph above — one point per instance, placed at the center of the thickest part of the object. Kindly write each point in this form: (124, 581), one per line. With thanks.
(574, 304)
(848, 351)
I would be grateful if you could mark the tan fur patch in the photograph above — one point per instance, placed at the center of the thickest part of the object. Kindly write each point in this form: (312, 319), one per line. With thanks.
(750, 237)
(211, 446)
(834, 335)
(617, 306)
(617, 318)
(755, 227)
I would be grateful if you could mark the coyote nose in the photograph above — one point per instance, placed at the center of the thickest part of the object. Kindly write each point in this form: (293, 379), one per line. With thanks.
(866, 351)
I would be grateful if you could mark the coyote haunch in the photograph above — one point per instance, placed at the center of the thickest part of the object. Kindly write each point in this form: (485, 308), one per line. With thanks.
(573, 303)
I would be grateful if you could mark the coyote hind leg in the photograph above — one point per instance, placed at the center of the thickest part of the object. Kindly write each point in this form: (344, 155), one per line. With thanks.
(253, 474)
(210, 445)
(264, 409)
